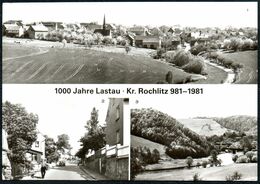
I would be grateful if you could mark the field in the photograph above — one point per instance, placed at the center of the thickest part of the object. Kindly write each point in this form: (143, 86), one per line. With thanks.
(31, 63)
(249, 71)
(248, 171)
(205, 127)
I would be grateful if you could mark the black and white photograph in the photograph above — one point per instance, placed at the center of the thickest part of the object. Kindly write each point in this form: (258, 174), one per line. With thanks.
(130, 43)
(63, 137)
(205, 138)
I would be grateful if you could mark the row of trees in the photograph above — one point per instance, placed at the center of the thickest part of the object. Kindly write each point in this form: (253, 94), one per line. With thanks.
(142, 156)
(87, 38)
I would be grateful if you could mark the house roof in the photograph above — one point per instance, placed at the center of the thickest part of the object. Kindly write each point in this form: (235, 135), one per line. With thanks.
(148, 38)
(137, 29)
(93, 26)
(12, 27)
(39, 28)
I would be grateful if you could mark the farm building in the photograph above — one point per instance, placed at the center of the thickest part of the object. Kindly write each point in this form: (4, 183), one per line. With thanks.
(152, 42)
(139, 30)
(13, 30)
(54, 25)
(37, 31)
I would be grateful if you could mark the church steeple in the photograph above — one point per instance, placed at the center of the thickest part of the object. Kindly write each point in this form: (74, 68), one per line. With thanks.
(104, 22)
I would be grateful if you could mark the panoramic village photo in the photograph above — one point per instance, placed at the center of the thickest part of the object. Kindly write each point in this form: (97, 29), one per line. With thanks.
(203, 140)
(130, 43)
(63, 138)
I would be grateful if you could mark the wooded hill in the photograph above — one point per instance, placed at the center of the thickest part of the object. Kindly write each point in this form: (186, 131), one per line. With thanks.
(162, 128)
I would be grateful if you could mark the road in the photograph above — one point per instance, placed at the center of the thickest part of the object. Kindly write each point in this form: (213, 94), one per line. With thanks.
(69, 172)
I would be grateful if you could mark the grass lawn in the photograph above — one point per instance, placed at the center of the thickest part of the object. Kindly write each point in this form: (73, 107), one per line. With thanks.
(200, 126)
(248, 171)
(73, 65)
(249, 71)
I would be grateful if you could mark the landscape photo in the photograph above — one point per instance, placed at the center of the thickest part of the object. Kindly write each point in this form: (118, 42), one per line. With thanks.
(203, 140)
(130, 43)
(63, 137)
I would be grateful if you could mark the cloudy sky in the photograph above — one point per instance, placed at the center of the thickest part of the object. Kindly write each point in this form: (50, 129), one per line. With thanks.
(199, 14)
(58, 114)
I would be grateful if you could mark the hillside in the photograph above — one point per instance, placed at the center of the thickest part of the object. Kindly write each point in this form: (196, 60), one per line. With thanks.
(139, 141)
(204, 127)
(27, 62)
(162, 128)
(247, 124)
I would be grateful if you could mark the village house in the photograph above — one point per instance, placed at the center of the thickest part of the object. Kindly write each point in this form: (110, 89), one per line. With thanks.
(139, 30)
(6, 165)
(12, 30)
(152, 42)
(38, 31)
(36, 154)
(54, 25)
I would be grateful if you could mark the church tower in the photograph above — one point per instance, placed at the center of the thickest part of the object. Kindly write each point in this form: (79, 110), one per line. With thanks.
(104, 23)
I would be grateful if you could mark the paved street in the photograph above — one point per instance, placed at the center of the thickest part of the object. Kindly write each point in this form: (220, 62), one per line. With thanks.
(69, 172)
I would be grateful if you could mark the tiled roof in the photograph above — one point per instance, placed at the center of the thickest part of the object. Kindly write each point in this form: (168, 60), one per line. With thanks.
(11, 27)
(39, 28)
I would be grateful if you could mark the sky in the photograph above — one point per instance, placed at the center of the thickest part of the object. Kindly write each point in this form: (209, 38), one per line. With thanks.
(216, 101)
(58, 114)
(193, 14)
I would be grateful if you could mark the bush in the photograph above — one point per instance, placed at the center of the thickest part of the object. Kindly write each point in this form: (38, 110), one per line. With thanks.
(234, 158)
(198, 164)
(181, 58)
(235, 44)
(254, 159)
(235, 177)
(242, 159)
(196, 177)
(250, 155)
(213, 55)
(107, 40)
(195, 65)
(189, 161)
(204, 163)
(195, 50)
(247, 44)
(160, 53)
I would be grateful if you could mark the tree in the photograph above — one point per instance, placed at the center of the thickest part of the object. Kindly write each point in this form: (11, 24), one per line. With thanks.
(127, 49)
(214, 156)
(21, 129)
(189, 161)
(94, 139)
(63, 142)
(51, 150)
(246, 144)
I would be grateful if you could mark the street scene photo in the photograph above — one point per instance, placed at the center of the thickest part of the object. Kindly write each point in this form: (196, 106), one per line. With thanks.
(130, 43)
(195, 139)
(63, 137)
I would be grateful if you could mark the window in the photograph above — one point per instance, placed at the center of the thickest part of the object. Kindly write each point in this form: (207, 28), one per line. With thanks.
(117, 112)
(117, 137)
(37, 144)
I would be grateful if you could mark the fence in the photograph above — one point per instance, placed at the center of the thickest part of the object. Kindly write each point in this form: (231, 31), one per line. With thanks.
(111, 161)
